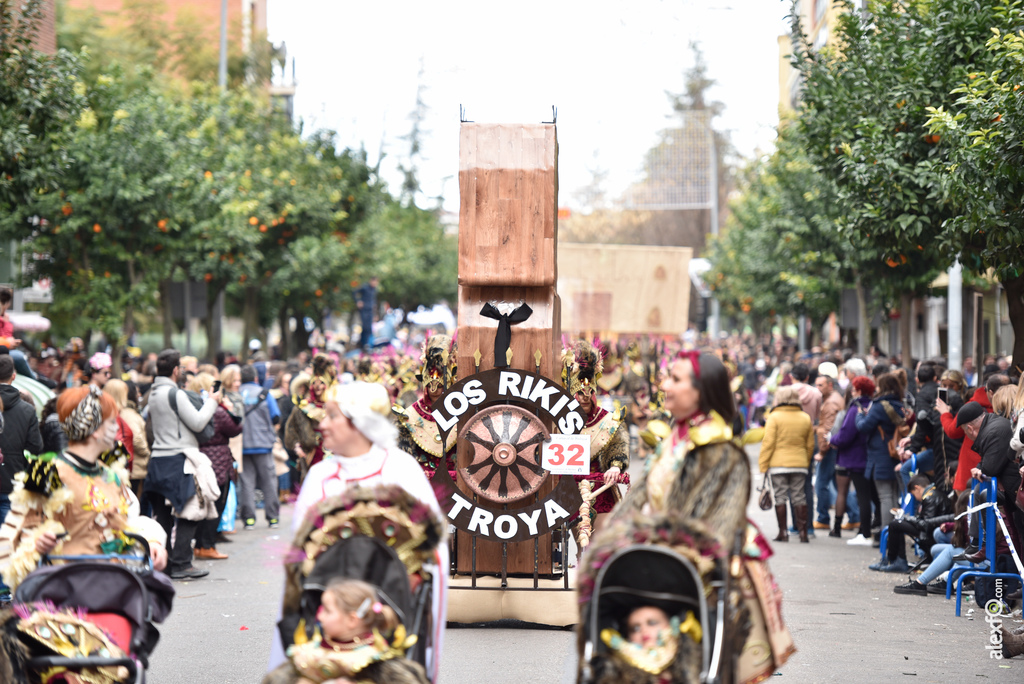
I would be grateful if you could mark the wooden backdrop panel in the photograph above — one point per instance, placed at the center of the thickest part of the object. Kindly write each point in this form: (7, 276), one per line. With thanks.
(508, 176)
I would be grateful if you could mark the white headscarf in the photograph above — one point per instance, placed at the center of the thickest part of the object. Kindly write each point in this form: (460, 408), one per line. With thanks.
(368, 406)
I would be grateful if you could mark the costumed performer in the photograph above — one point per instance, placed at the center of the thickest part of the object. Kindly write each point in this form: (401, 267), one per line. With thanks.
(302, 430)
(78, 502)
(699, 479)
(609, 439)
(417, 430)
(360, 452)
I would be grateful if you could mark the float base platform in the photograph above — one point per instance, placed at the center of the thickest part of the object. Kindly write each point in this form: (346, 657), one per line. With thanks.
(551, 605)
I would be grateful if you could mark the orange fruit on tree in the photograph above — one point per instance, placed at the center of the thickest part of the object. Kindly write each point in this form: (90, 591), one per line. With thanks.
(208, 277)
(263, 228)
(208, 175)
(242, 278)
(66, 209)
(319, 293)
(253, 220)
(97, 228)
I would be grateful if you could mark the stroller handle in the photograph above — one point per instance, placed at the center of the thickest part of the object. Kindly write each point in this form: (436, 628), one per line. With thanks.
(78, 664)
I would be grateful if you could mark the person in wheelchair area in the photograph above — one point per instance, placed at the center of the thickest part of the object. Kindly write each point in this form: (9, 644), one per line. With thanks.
(79, 501)
(934, 511)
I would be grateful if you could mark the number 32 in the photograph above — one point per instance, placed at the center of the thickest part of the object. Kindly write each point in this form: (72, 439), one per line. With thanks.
(575, 455)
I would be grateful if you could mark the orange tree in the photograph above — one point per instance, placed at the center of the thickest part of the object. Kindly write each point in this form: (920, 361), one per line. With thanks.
(864, 117)
(40, 96)
(982, 131)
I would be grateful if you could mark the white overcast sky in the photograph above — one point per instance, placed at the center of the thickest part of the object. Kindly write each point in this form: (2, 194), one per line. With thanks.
(605, 64)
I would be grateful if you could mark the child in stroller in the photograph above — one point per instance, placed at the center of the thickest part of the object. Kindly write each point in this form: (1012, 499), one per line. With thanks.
(353, 621)
(659, 612)
(359, 569)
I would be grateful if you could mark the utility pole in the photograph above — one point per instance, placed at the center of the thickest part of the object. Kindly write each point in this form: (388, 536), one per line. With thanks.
(955, 331)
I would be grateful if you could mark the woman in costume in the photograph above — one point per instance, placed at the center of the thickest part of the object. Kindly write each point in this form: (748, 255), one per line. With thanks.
(79, 501)
(698, 483)
(609, 438)
(417, 430)
(302, 431)
(361, 453)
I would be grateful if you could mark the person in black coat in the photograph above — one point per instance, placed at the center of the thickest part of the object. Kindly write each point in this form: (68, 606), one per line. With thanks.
(991, 434)
(21, 432)
(934, 510)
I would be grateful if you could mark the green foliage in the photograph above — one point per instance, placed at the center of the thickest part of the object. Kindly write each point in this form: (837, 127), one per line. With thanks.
(40, 95)
(864, 114)
(984, 172)
(780, 252)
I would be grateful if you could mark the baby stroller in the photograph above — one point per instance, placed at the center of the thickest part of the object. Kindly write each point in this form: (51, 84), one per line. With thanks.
(381, 536)
(91, 619)
(686, 575)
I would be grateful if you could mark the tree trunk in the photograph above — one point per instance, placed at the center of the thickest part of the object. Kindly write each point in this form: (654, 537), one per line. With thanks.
(250, 319)
(863, 333)
(1015, 296)
(167, 322)
(906, 313)
(214, 320)
(282, 323)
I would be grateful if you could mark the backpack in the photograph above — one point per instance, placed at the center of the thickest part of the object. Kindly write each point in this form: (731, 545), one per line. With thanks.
(202, 437)
(901, 431)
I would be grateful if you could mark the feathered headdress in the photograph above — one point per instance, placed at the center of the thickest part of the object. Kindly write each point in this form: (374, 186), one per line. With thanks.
(582, 365)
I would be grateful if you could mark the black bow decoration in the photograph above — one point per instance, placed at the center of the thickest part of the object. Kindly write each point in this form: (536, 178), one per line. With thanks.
(503, 336)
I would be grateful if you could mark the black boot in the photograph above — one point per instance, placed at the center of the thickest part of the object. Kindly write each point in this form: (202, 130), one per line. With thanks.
(801, 522)
(780, 515)
(837, 530)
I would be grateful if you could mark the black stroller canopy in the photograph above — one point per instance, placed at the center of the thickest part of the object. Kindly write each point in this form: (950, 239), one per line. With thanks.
(367, 559)
(646, 576)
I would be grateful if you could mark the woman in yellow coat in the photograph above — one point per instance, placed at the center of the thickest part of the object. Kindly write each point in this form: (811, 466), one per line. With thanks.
(785, 455)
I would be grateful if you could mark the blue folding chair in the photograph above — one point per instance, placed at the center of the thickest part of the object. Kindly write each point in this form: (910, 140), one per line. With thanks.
(987, 539)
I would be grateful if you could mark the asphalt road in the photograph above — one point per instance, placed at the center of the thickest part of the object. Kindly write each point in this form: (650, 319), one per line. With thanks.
(848, 625)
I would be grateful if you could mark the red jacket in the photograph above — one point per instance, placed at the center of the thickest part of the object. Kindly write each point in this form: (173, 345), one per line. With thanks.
(968, 458)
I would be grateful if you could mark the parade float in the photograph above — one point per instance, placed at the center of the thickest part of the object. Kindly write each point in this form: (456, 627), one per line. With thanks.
(513, 496)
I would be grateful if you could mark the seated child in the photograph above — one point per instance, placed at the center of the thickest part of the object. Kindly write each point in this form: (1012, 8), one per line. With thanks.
(351, 644)
(652, 640)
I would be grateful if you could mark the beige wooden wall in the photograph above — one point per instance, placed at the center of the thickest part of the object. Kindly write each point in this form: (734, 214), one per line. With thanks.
(623, 289)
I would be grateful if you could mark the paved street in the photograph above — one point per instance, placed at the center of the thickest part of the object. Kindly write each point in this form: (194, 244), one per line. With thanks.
(847, 623)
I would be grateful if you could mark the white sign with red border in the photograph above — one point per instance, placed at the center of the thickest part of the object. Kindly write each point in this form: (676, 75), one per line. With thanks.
(566, 455)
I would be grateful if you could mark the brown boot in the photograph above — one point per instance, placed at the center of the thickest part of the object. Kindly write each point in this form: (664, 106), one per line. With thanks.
(780, 515)
(1013, 645)
(801, 522)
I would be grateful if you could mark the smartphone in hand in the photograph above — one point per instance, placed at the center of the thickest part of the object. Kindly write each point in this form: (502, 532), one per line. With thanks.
(944, 394)
(216, 386)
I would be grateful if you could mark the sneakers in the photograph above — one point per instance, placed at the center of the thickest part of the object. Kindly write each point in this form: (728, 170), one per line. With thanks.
(273, 524)
(851, 525)
(822, 525)
(914, 587)
(938, 587)
(859, 540)
(250, 523)
(880, 566)
(189, 573)
(898, 565)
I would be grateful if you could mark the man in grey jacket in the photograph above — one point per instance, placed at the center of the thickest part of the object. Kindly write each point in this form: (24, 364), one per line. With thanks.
(175, 421)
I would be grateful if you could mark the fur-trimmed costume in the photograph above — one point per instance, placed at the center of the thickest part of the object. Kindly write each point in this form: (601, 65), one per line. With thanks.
(582, 368)
(699, 479)
(417, 430)
(93, 504)
(303, 425)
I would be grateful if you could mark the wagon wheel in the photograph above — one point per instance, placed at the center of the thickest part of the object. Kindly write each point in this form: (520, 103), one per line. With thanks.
(506, 463)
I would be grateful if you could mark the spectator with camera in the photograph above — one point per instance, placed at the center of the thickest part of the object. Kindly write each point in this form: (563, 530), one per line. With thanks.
(175, 422)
